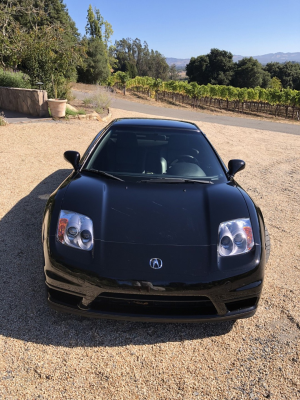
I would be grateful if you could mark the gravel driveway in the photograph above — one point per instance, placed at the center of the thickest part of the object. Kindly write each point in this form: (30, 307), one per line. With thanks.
(46, 355)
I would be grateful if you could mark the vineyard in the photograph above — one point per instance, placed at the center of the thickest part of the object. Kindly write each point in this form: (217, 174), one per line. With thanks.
(280, 103)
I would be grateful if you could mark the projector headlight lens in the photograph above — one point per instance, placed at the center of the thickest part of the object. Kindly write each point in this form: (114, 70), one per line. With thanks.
(235, 237)
(75, 230)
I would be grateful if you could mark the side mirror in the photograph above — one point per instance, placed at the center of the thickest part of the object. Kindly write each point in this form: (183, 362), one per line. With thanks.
(235, 166)
(73, 158)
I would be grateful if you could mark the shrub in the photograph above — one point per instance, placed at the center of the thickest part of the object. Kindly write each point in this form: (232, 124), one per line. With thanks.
(87, 101)
(2, 120)
(71, 112)
(100, 100)
(14, 79)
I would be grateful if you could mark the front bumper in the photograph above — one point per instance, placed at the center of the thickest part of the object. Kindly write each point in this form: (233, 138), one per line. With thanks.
(62, 306)
(227, 291)
(143, 301)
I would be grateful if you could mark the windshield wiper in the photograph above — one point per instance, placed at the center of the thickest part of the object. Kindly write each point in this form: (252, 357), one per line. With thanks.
(103, 173)
(175, 180)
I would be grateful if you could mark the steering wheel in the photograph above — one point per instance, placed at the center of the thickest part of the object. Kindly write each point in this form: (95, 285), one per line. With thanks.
(186, 158)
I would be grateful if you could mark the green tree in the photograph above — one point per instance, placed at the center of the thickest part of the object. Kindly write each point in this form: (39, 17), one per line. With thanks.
(216, 68)
(136, 59)
(96, 67)
(288, 73)
(35, 40)
(158, 67)
(276, 83)
(197, 70)
(123, 78)
(249, 73)
(48, 58)
(173, 73)
(97, 27)
(273, 68)
(19, 17)
(221, 67)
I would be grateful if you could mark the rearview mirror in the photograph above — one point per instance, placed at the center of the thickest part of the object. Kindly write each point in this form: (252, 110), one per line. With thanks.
(235, 166)
(73, 158)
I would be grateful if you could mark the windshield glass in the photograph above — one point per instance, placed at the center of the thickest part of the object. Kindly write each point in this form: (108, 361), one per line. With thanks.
(135, 152)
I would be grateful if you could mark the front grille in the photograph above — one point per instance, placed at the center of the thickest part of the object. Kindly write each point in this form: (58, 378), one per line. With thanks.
(153, 304)
(64, 298)
(240, 304)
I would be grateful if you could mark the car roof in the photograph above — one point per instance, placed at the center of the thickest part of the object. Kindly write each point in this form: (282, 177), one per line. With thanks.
(155, 122)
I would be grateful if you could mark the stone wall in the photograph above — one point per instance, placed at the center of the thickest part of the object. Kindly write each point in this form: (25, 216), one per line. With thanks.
(27, 101)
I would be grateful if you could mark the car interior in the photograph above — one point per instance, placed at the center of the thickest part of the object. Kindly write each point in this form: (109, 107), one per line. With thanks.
(171, 153)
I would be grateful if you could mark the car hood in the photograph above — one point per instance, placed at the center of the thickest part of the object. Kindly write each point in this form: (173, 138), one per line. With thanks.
(182, 214)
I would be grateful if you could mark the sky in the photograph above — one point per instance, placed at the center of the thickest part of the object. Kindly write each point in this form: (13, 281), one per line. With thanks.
(188, 28)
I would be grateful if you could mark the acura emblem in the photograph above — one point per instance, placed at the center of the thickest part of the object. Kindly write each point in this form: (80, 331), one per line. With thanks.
(156, 263)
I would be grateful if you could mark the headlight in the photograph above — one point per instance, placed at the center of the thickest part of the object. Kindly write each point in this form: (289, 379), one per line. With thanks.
(75, 230)
(235, 237)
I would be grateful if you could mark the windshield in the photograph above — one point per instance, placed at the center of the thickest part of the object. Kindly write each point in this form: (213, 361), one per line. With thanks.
(133, 152)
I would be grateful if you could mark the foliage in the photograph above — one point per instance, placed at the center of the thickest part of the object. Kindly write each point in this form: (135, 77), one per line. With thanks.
(95, 68)
(196, 70)
(135, 58)
(14, 79)
(257, 95)
(100, 100)
(96, 64)
(41, 39)
(216, 67)
(96, 26)
(288, 73)
(2, 119)
(87, 101)
(72, 112)
(173, 73)
(249, 73)
(220, 67)
(50, 59)
(275, 83)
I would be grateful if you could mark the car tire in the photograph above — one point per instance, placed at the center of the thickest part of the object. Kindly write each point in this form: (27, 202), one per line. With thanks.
(267, 244)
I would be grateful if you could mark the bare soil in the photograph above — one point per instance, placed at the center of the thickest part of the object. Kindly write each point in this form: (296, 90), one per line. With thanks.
(46, 355)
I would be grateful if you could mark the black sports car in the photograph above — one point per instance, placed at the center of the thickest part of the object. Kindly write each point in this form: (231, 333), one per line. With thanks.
(151, 226)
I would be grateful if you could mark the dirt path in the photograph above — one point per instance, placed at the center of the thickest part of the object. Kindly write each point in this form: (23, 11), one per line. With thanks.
(45, 355)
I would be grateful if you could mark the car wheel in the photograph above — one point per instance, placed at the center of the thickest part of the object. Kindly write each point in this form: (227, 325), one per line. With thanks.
(267, 244)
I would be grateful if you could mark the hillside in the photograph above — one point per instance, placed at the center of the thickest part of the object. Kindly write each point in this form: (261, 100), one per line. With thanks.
(263, 59)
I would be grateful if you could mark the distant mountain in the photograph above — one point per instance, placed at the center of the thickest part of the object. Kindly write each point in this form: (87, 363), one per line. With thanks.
(264, 59)
(273, 57)
(179, 62)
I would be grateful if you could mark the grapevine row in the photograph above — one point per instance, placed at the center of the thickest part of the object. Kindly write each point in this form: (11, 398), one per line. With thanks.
(285, 102)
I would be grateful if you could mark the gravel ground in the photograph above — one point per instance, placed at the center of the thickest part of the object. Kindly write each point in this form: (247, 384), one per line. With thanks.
(46, 355)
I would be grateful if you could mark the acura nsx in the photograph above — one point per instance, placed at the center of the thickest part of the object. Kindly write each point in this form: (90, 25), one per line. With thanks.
(152, 226)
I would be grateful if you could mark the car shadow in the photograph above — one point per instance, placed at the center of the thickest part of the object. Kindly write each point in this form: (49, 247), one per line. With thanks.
(24, 313)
